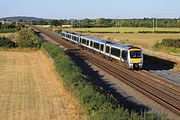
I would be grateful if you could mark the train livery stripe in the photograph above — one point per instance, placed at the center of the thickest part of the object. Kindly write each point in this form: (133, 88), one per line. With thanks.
(136, 60)
(135, 49)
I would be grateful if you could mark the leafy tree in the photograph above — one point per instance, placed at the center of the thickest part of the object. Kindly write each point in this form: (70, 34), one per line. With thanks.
(28, 38)
(54, 22)
(100, 22)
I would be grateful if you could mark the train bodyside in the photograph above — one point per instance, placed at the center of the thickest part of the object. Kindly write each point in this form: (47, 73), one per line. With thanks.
(130, 55)
(71, 36)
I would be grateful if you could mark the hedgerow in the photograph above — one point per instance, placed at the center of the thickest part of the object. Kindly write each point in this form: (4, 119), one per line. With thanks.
(28, 38)
(171, 43)
(168, 45)
(158, 31)
(11, 30)
(6, 42)
(97, 105)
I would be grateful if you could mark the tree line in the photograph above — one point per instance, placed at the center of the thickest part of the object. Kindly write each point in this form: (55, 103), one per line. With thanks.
(102, 22)
(10, 28)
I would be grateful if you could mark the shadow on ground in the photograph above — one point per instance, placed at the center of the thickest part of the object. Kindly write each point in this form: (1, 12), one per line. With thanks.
(98, 80)
(154, 63)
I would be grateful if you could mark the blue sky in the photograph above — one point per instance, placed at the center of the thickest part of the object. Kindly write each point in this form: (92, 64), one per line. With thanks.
(67, 9)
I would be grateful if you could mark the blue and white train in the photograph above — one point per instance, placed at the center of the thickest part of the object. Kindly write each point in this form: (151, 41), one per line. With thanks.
(131, 56)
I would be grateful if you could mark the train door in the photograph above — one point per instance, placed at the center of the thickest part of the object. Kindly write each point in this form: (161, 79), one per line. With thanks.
(124, 56)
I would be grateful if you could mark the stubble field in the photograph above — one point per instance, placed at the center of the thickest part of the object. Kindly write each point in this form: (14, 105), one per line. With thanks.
(30, 89)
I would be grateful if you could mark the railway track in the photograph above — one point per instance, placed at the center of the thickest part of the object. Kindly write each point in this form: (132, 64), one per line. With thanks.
(164, 92)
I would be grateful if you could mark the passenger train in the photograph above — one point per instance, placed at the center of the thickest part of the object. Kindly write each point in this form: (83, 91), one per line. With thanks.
(131, 56)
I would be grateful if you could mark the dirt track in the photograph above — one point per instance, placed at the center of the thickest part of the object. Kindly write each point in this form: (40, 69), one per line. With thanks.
(30, 89)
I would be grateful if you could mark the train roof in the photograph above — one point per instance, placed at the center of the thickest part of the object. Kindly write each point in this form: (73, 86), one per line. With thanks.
(115, 44)
(72, 32)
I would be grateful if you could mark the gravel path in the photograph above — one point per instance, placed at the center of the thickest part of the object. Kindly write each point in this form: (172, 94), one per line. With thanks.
(30, 89)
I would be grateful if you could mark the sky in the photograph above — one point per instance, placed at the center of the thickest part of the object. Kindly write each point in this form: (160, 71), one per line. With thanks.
(80, 9)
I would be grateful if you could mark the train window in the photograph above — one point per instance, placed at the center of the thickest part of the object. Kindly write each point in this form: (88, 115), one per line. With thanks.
(63, 34)
(107, 49)
(96, 45)
(75, 38)
(83, 41)
(115, 52)
(135, 54)
(91, 43)
(87, 42)
(124, 55)
(102, 47)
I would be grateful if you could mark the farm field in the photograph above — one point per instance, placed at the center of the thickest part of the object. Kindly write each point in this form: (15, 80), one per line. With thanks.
(121, 29)
(146, 40)
(142, 40)
(30, 89)
(6, 34)
(132, 37)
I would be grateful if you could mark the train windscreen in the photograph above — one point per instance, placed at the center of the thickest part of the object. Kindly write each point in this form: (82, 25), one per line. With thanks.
(135, 54)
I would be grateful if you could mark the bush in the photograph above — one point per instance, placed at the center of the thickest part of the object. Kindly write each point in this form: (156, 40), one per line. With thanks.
(6, 42)
(158, 31)
(171, 43)
(95, 103)
(168, 46)
(28, 38)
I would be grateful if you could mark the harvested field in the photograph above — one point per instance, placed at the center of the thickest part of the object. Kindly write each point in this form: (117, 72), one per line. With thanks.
(143, 40)
(130, 35)
(6, 34)
(30, 89)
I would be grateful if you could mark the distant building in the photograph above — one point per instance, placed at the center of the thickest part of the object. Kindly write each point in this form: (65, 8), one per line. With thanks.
(66, 26)
(6, 22)
(20, 23)
(44, 26)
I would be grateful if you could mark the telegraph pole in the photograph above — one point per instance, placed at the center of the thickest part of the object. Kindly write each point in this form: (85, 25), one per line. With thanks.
(156, 22)
(116, 22)
(153, 23)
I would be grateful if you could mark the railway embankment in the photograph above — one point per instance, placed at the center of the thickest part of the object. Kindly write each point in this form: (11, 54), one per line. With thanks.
(97, 103)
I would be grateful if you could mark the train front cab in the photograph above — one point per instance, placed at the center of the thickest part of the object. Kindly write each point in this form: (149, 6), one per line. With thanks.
(135, 58)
